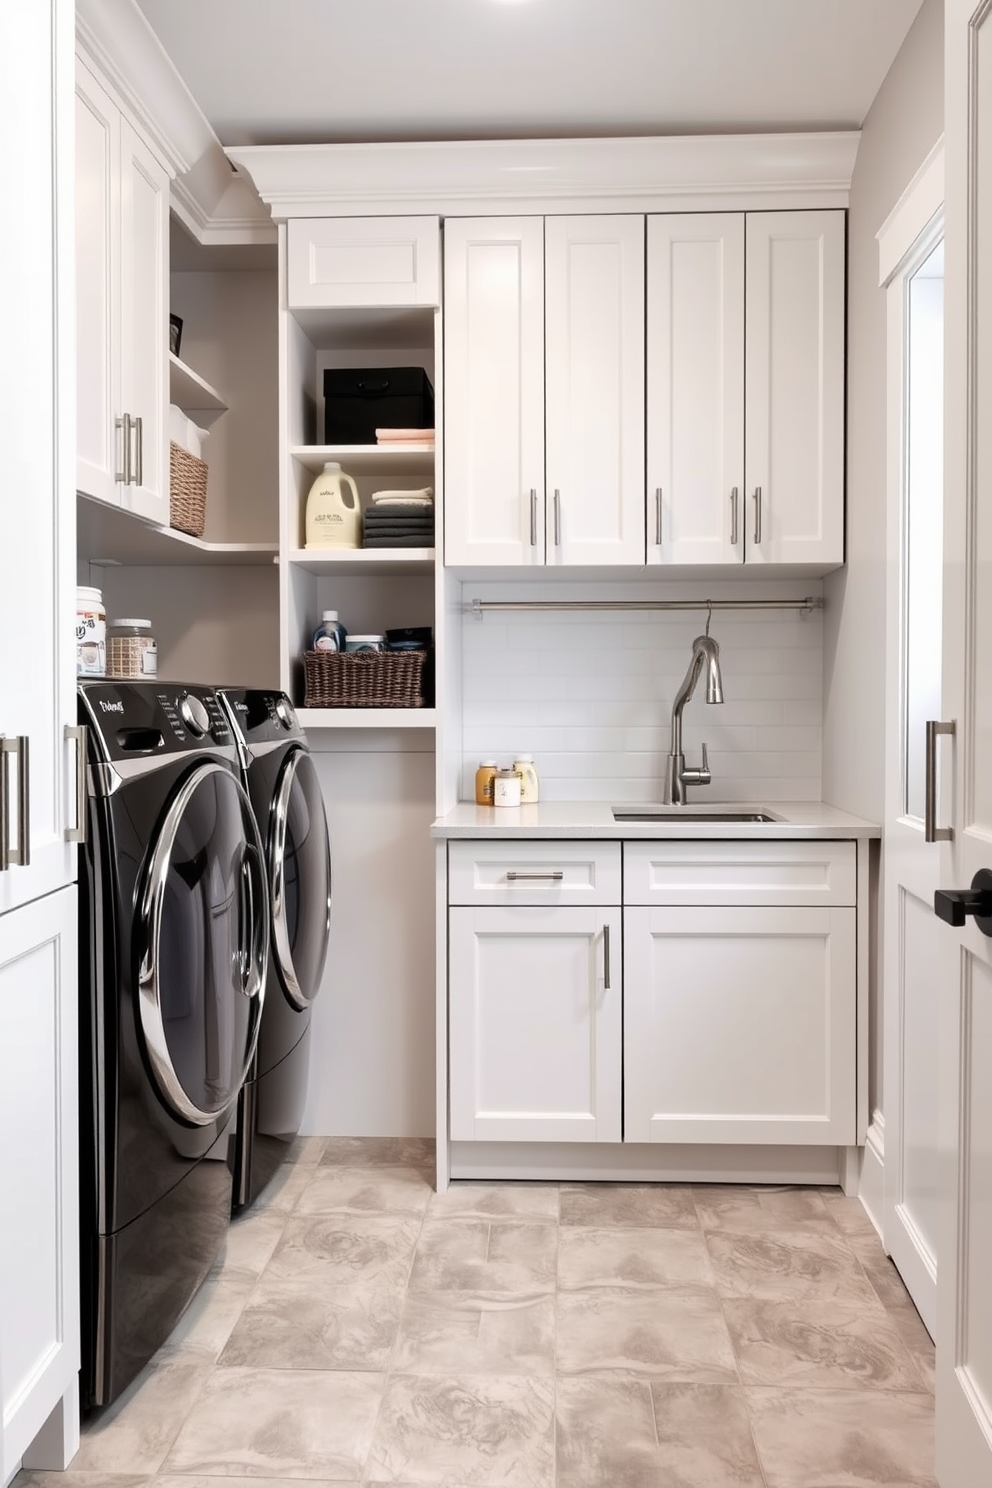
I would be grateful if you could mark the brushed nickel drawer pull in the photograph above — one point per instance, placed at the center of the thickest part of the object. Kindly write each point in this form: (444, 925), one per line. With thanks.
(77, 732)
(606, 958)
(757, 514)
(733, 518)
(533, 517)
(556, 876)
(657, 502)
(557, 520)
(21, 854)
(931, 831)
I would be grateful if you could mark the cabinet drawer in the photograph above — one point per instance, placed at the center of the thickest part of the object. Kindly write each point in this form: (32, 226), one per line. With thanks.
(363, 261)
(746, 872)
(534, 873)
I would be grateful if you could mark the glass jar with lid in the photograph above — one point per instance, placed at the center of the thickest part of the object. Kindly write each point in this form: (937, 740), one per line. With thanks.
(131, 649)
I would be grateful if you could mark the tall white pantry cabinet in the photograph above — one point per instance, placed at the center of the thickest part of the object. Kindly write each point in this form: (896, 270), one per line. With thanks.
(39, 1302)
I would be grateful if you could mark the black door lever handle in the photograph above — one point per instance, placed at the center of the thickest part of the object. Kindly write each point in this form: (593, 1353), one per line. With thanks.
(954, 905)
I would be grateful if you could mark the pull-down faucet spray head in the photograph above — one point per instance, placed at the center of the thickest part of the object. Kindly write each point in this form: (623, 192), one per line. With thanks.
(705, 653)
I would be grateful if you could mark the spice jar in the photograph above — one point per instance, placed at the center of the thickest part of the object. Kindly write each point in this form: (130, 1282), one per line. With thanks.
(485, 775)
(506, 788)
(529, 788)
(91, 633)
(131, 649)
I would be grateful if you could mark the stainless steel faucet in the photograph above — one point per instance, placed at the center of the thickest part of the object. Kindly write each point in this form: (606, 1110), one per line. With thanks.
(705, 653)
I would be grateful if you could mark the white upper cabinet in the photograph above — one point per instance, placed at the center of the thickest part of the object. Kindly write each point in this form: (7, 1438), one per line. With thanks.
(544, 314)
(494, 391)
(745, 425)
(794, 380)
(695, 379)
(122, 224)
(594, 389)
(342, 261)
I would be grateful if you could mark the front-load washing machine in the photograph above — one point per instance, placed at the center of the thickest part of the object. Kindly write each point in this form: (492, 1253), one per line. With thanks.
(285, 793)
(173, 950)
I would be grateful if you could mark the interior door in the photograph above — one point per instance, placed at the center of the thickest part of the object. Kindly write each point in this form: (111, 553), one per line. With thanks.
(964, 1305)
(915, 299)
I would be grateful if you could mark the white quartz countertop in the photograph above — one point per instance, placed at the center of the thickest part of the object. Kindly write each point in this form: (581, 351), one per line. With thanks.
(594, 819)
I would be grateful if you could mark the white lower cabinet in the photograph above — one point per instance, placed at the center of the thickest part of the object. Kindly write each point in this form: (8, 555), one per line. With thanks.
(739, 1025)
(535, 1027)
(39, 1291)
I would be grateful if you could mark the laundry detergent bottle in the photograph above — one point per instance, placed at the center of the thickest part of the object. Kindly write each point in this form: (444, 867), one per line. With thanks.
(334, 514)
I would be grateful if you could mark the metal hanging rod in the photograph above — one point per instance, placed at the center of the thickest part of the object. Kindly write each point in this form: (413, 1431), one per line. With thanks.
(806, 606)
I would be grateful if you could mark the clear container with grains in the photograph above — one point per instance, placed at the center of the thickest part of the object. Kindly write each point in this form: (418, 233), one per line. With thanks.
(131, 649)
(91, 633)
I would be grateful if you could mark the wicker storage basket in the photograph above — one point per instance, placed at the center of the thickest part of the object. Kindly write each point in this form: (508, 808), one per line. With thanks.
(187, 491)
(363, 679)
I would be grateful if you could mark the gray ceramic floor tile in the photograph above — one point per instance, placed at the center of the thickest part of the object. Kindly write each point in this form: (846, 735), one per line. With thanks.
(74, 1479)
(250, 1240)
(837, 1344)
(780, 1266)
(463, 1334)
(372, 1152)
(506, 1201)
(627, 1257)
(346, 1250)
(305, 1325)
(135, 1433)
(474, 1430)
(843, 1438)
(760, 1210)
(206, 1325)
(372, 1190)
(675, 1334)
(632, 1434)
(643, 1205)
(504, 1259)
(270, 1423)
(198, 1480)
(307, 1151)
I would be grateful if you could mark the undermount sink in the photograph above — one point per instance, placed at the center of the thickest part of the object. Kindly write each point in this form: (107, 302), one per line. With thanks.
(681, 814)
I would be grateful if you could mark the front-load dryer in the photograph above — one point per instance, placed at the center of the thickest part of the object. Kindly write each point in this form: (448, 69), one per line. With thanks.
(285, 793)
(173, 951)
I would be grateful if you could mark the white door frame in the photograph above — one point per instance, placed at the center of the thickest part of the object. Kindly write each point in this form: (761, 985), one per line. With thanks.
(910, 867)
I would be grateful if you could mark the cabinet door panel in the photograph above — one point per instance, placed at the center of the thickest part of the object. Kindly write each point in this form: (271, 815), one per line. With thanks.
(144, 316)
(594, 325)
(739, 1025)
(494, 391)
(97, 274)
(794, 379)
(534, 1031)
(363, 261)
(39, 1295)
(695, 388)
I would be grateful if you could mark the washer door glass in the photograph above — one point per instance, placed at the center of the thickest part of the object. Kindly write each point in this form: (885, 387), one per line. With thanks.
(204, 929)
(300, 873)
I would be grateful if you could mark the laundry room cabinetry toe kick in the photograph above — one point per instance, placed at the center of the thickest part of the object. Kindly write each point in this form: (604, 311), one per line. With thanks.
(692, 1007)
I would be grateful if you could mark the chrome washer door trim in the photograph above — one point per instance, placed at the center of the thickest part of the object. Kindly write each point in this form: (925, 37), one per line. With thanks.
(277, 871)
(254, 953)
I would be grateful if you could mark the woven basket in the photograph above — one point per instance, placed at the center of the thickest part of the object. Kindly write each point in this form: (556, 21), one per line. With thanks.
(363, 679)
(187, 491)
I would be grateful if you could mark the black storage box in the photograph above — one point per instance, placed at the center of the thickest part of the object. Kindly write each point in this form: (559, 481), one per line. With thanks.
(359, 400)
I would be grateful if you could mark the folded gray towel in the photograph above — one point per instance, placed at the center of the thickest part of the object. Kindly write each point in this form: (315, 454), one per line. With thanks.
(399, 540)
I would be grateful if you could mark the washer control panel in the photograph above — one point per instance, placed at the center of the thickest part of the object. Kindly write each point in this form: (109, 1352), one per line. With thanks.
(149, 718)
(194, 714)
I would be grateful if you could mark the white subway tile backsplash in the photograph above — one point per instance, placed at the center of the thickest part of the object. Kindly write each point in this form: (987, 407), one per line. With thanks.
(592, 698)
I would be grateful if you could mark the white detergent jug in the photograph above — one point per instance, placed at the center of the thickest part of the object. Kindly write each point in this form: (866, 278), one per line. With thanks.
(334, 515)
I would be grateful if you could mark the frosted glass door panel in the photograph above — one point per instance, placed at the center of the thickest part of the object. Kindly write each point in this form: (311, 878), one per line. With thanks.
(924, 518)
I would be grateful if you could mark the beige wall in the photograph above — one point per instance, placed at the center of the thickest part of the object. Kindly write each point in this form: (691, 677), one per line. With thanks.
(904, 123)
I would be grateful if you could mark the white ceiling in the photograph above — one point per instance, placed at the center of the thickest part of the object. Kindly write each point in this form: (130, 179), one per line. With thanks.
(320, 71)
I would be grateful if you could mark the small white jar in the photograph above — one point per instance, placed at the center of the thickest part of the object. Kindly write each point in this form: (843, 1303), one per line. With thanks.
(506, 788)
(91, 632)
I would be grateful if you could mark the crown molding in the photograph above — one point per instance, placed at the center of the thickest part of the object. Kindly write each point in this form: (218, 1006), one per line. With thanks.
(114, 38)
(665, 173)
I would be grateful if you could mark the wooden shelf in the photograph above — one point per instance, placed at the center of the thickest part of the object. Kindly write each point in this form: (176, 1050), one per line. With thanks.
(366, 718)
(192, 393)
(108, 535)
(373, 562)
(367, 459)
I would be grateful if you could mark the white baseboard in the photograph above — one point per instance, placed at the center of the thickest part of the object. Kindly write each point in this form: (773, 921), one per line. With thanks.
(871, 1190)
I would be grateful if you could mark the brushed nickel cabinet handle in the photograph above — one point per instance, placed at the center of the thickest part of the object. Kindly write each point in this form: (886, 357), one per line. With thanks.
(733, 518)
(606, 958)
(931, 831)
(557, 519)
(533, 517)
(124, 425)
(77, 732)
(139, 475)
(657, 514)
(21, 854)
(757, 514)
(555, 875)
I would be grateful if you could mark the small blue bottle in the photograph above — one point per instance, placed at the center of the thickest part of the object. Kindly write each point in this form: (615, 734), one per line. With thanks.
(330, 634)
